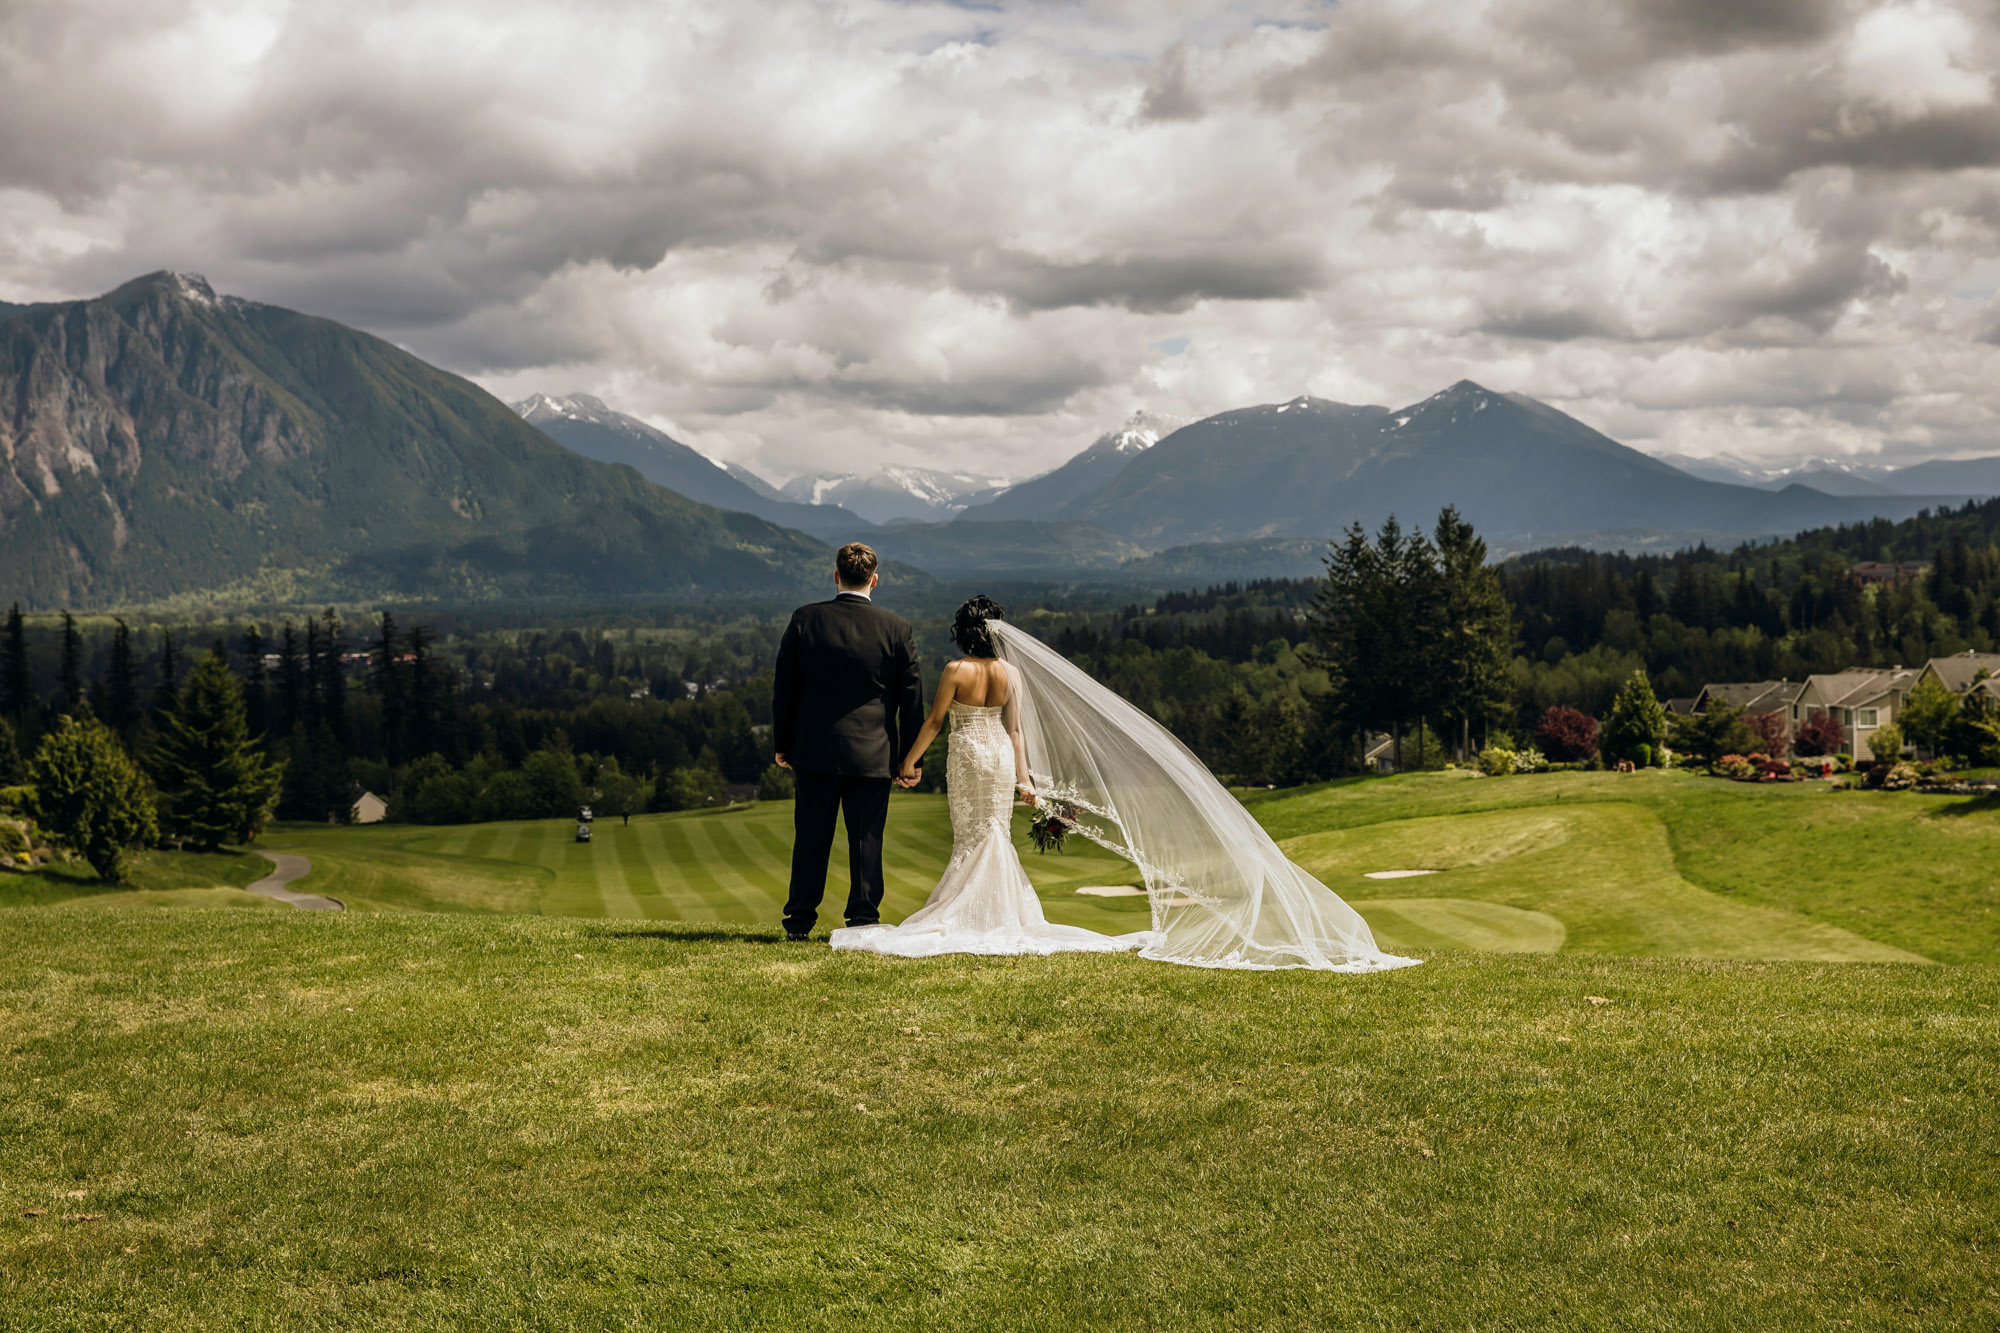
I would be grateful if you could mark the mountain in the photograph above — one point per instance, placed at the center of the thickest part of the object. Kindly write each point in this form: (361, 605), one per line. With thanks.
(895, 494)
(1830, 481)
(162, 441)
(1521, 471)
(584, 425)
(752, 480)
(1011, 546)
(1052, 493)
(1974, 477)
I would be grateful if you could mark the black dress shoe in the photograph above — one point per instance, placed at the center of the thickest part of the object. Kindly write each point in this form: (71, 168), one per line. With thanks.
(798, 935)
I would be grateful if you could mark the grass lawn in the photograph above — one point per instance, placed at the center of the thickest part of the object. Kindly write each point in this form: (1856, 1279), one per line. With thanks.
(320, 1121)
(155, 879)
(1644, 864)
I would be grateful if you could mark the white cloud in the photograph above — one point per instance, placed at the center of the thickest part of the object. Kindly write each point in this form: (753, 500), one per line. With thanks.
(809, 236)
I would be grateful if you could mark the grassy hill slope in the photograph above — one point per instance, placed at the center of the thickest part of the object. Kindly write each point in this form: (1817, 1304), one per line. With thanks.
(322, 1121)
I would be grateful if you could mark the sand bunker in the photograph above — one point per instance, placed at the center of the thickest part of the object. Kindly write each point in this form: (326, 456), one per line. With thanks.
(1396, 874)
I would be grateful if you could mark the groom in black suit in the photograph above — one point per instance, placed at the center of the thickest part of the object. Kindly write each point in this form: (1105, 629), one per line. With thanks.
(848, 698)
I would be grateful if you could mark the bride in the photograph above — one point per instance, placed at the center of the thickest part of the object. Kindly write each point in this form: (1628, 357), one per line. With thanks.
(1222, 894)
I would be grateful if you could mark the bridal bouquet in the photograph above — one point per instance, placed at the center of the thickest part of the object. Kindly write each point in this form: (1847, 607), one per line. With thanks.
(1055, 818)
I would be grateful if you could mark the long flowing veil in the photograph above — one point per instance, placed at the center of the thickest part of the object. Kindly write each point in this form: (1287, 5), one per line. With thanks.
(1222, 893)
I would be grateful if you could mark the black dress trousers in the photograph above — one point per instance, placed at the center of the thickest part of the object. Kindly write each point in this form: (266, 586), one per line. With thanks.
(864, 803)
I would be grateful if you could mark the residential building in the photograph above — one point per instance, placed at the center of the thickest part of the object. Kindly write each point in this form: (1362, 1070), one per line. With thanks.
(1880, 571)
(1959, 673)
(1860, 699)
(368, 808)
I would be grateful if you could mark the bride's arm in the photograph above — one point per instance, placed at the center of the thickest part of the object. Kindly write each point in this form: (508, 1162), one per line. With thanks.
(1012, 715)
(941, 706)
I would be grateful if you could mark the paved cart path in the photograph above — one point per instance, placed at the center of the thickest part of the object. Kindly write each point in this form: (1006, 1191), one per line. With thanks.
(284, 869)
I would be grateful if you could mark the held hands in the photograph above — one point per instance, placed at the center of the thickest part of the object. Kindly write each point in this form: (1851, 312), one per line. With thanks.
(782, 763)
(909, 777)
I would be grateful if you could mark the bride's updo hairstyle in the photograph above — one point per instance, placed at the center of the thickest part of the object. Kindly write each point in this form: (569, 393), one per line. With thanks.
(969, 630)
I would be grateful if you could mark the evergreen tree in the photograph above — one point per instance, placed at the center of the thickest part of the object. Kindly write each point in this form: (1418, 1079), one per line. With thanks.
(70, 676)
(165, 693)
(90, 796)
(1475, 627)
(219, 786)
(388, 682)
(122, 686)
(1927, 715)
(423, 695)
(291, 679)
(332, 684)
(256, 684)
(11, 771)
(16, 687)
(1636, 719)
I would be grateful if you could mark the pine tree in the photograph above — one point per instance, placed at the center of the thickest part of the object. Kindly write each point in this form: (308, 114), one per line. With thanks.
(11, 771)
(90, 796)
(256, 684)
(122, 686)
(388, 682)
(164, 693)
(291, 680)
(219, 786)
(332, 684)
(70, 677)
(423, 693)
(16, 689)
(1636, 719)
(1475, 628)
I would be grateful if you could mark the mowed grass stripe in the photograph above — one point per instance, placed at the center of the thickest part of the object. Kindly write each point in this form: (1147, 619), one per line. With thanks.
(637, 867)
(752, 904)
(614, 888)
(664, 846)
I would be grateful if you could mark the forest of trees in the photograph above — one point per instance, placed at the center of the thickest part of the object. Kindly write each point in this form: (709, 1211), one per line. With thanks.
(1411, 634)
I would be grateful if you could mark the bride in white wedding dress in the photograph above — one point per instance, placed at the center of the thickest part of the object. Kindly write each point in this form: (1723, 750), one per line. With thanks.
(1222, 893)
(984, 903)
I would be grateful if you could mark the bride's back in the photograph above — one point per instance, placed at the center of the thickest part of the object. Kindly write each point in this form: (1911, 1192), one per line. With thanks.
(980, 682)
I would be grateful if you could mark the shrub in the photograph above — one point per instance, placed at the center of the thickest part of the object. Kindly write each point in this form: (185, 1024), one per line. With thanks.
(1636, 719)
(90, 796)
(1886, 741)
(1642, 756)
(1530, 760)
(1496, 762)
(1567, 735)
(1774, 735)
(1844, 760)
(776, 784)
(1818, 735)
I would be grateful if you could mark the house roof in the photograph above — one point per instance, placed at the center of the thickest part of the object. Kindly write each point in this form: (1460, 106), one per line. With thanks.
(1761, 696)
(1956, 673)
(1682, 706)
(1860, 685)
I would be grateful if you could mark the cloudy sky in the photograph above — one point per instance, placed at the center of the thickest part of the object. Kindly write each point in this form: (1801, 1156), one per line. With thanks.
(822, 236)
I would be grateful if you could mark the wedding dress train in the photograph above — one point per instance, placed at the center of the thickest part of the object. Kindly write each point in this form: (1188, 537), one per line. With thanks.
(984, 903)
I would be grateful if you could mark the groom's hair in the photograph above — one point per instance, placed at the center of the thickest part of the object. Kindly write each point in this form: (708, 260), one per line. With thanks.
(854, 564)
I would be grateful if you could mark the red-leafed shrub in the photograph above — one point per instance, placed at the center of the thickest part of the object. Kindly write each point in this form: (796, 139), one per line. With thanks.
(1818, 735)
(1773, 733)
(1567, 735)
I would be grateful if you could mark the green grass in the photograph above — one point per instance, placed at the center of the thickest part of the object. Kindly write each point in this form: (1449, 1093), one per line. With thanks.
(1671, 863)
(710, 866)
(1649, 864)
(333, 1121)
(154, 879)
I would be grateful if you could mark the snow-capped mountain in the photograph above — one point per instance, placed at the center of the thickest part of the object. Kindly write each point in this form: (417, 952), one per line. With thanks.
(584, 425)
(894, 494)
(1105, 457)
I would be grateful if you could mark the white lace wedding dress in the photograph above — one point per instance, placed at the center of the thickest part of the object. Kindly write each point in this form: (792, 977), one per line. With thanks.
(984, 903)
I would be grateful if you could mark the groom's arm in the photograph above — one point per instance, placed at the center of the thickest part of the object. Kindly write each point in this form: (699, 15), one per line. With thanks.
(910, 693)
(785, 693)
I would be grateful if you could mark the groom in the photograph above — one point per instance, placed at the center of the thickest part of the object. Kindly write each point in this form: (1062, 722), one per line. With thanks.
(848, 699)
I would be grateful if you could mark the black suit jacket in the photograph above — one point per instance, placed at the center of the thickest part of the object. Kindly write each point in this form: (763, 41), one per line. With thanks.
(849, 693)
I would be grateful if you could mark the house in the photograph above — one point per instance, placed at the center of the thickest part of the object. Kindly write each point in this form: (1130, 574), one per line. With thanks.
(1883, 572)
(1378, 753)
(1860, 699)
(1680, 707)
(367, 808)
(1959, 673)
